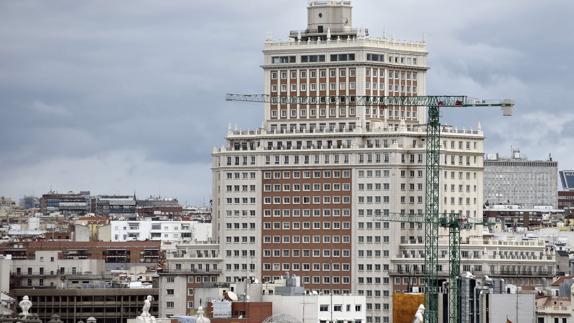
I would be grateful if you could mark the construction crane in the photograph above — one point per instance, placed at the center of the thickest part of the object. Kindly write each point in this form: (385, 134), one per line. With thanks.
(431, 218)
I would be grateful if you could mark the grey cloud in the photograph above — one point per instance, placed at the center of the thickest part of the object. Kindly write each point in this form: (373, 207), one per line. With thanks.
(137, 87)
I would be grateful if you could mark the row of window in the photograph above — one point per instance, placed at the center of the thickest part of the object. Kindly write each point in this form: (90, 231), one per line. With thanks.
(318, 199)
(315, 86)
(373, 253)
(240, 239)
(340, 308)
(240, 161)
(238, 175)
(306, 239)
(309, 212)
(244, 226)
(316, 225)
(343, 72)
(240, 212)
(238, 266)
(373, 239)
(306, 267)
(316, 280)
(392, 87)
(386, 199)
(315, 253)
(314, 113)
(239, 253)
(317, 187)
(240, 188)
(386, 186)
(386, 212)
(307, 174)
(460, 188)
(460, 201)
(193, 279)
(240, 200)
(373, 267)
(392, 74)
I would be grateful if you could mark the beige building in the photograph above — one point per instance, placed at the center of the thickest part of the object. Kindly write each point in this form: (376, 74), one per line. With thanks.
(48, 269)
(189, 266)
(301, 194)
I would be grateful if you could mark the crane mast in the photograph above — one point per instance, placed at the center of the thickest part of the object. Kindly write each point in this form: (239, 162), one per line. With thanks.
(431, 218)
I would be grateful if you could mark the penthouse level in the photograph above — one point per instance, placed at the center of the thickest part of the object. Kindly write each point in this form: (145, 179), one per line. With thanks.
(111, 252)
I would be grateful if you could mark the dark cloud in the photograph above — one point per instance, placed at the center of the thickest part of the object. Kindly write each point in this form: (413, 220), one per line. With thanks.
(122, 96)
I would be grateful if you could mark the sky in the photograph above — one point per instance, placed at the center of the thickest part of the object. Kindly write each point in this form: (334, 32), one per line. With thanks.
(127, 96)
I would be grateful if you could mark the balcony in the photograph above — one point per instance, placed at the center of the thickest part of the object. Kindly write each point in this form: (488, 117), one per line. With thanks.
(171, 271)
(34, 274)
(521, 273)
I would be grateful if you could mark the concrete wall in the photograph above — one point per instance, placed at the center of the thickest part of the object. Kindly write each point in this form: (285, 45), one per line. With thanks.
(306, 308)
(5, 266)
(519, 308)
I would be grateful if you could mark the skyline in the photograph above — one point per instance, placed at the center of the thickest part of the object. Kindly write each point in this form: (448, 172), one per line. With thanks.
(138, 122)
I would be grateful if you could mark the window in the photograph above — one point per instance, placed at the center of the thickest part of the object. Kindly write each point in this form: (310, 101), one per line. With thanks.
(170, 304)
(170, 291)
(282, 59)
(323, 308)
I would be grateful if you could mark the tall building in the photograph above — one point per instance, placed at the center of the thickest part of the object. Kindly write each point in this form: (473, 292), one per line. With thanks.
(519, 181)
(299, 194)
(567, 180)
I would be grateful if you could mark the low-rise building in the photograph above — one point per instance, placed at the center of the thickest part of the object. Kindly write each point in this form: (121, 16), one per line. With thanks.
(160, 230)
(312, 308)
(114, 205)
(116, 255)
(556, 308)
(47, 268)
(519, 262)
(67, 203)
(566, 202)
(109, 305)
(188, 266)
(513, 216)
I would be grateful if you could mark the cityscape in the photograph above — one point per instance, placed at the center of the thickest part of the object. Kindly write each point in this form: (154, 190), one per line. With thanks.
(351, 185)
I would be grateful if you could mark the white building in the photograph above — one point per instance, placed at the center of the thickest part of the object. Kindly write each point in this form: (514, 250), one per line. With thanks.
(320, 308)
(160, 230)
(518, 262)
(517, 180)
(299, 194)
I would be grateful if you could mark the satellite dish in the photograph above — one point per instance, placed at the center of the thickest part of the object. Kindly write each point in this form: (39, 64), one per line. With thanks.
(232, 296)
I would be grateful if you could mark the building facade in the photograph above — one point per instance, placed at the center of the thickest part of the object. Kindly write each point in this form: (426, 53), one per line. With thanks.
(113, 305)
(160, 230)
(520, 262)
(302, 193)
(566, 201)
(188, 266)
(66, 203)
(519, 181)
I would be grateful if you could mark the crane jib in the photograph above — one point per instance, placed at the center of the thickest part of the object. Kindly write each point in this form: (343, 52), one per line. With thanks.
(382, 101)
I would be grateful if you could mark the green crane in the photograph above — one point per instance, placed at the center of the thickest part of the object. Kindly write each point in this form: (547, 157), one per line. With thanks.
(431, 219)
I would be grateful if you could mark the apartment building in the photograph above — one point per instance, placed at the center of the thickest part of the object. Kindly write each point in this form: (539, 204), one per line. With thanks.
(46, 268)
(160, 230)
(520, 262)
(303, 194)
(113, 253)
(188, 266)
